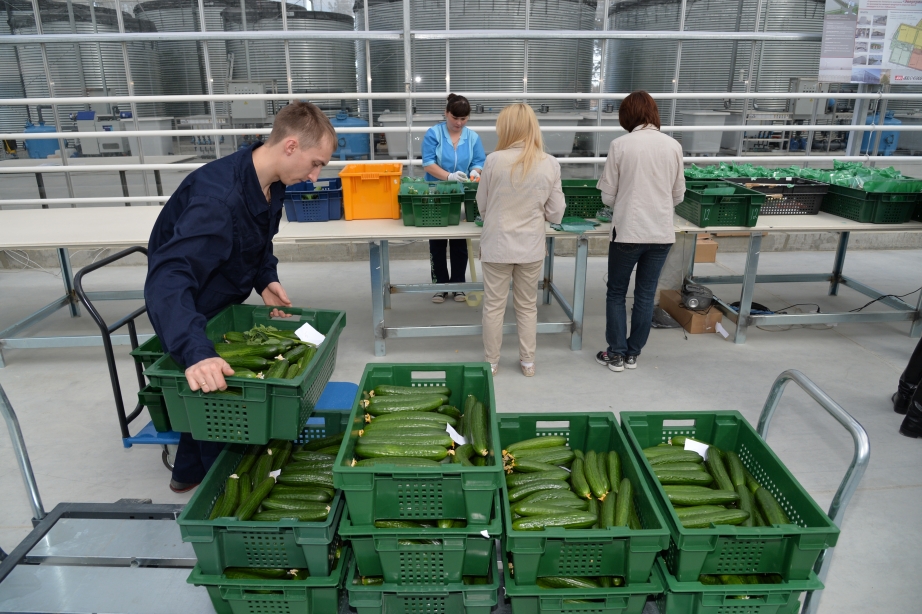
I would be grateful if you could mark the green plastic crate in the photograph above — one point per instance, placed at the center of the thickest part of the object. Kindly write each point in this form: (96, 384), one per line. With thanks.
(311, 595)
(251, 411)
(471, 211)
(456, 598)
(148, 352)
(152, 398)
(870, 207)
(917, 216)
(706, 205)
(530, 599)
(463, 552)
(422, 493)
(227, 542)
(697, 598)
(615, 551)
(582, 196)
(789, 550)
(441, 207)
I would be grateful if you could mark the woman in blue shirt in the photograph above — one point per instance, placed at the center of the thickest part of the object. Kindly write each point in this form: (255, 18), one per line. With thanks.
(451, 152)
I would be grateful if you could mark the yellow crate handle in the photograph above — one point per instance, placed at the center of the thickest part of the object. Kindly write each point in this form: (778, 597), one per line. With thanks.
(370, 176)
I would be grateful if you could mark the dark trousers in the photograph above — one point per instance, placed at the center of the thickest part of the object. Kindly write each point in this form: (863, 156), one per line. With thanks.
(194, 459)
(912, 375)
(622, 257)
(439, 263)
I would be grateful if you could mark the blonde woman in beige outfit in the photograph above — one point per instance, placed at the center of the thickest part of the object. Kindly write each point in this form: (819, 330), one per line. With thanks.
(519, 190)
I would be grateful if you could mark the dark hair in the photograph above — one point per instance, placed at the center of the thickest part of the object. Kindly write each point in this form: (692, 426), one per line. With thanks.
(638, 109)
(458, 106)
(304, 121)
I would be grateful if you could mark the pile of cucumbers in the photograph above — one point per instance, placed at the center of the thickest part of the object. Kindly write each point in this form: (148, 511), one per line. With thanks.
(265, 352)
(260, 573)
(407, 426)
(715, 491)
(543, 493)
(736, 579)
(301, 491)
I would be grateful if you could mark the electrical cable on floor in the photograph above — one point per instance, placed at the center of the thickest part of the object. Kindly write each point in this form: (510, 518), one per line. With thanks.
(880, 298)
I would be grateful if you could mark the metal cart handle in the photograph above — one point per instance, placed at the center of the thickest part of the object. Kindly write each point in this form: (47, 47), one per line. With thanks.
(855, 471)
(22, 457)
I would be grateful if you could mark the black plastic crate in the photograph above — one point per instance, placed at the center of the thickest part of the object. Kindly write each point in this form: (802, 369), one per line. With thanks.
(788, 196)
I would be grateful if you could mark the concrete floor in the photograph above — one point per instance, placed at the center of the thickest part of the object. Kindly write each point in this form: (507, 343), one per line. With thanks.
(64, 403)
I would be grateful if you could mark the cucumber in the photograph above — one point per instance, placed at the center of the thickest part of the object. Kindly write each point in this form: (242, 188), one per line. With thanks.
(746, 503)
(771, 510)
(233, 336)
(231, 496)
(303, 477)
(263, 467)
(731, 579)
(678, 440)
(248, 507)
(737, 471)
(680, 466)
(396, 437)
(479, 429)
(666, 475)
(598, 482)
(420, 416)
(706, 519)
(298, 515)
(682, 512)
(252, 363)
(317, 444)
(292, 371)
(284, 489)
(536, 443)
(624, 503)
(294, 354)
(309, 494)
(479, 461)
(280, 456)
(391, 390)
(607, 512)
(286, 344)
(278, 370)
(403, 429)
(330, 450)
(445, 523)
(294, 504)
(530, 466)
(378, 450)
(251, 573)
(541, 508)
(372, 580)
(315, 465)
(518, 479)
(699, 495)
(520, 492)
(677, 456)
(236, 350)
(449, 410)
(248, 460)
(305, 360)
(546, 497)
(757, 519)
(614, 470)
(659, 450)
(717, 469)
(216, 508)
(578, 479)
(377, 406)
(568, 582)
(593, 508)
(552, 456)
(570, 520)
(633, 520)
(397, 524)
(751, 483)
(244, 373)
(245, 487)
(466, 411)
(303, 456)
(709, 580)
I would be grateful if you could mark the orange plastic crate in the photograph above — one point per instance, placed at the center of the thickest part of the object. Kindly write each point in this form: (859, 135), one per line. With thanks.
(370, 191)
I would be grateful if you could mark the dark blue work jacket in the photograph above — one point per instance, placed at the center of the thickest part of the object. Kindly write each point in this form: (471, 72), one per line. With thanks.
(211, 247)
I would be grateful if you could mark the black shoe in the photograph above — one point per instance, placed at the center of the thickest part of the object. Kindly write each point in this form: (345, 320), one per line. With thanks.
(459, 297)
(912, 423)
(615, 362)
(439, 297)
(630, 362)
(900, 402)
(181, 487)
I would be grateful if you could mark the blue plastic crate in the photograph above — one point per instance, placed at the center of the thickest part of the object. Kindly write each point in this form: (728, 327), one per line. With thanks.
(305, 203)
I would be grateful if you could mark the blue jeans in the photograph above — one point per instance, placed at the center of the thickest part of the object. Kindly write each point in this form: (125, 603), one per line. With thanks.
(649, 258)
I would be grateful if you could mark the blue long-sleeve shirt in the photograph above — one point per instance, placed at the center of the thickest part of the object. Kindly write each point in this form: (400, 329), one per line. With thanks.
(438, 149)
(211, 247)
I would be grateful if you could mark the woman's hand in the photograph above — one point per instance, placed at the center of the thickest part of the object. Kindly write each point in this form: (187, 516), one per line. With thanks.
(475, 174)
(458, 176)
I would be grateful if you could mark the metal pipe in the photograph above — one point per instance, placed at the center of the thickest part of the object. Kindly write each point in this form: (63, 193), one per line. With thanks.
(408, 77)
(525, 42)
(859, 116)
(22, 456)
(134, 107)
(246, 43)
(603, 67)
(208, 78)
(881, 116)
(678, 65)
(749, 77)
(853, 475)
(284, 9)
(371, 117)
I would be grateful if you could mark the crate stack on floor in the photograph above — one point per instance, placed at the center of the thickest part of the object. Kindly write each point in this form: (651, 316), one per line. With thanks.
(422, 514)
(263, 522)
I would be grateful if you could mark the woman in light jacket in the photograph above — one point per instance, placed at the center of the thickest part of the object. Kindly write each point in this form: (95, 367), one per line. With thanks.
(519, 190)
(643, 180)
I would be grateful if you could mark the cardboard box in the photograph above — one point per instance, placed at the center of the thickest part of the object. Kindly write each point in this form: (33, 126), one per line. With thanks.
(705, 250)
(693, 321)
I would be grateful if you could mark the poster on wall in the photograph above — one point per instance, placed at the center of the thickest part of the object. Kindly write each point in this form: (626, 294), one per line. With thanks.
(872, 41)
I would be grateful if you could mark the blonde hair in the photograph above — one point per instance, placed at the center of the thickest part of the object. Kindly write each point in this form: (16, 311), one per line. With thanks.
(518, 123)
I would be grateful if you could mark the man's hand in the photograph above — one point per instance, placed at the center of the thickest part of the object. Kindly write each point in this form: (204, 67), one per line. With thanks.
(275, 296)
(208, 375)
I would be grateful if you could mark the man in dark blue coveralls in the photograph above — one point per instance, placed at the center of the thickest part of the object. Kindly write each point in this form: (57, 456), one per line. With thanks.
(212, 246)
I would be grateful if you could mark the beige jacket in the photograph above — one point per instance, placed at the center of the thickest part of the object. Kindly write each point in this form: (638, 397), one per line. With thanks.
(643, 180)
(514, 209)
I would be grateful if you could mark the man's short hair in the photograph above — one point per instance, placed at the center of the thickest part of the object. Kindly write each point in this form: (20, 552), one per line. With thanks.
(303, 121)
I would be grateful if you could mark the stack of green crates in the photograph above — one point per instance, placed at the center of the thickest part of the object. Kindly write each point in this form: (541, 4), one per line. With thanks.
(150, 396)
(872, 207)
(221, 543)
(582, 196)
(470, 200)
(588, 553)
(711, 202)
(432, 204)
(409, 569)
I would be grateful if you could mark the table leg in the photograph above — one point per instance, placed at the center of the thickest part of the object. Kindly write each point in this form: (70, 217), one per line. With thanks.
(548, 270)
(124, 179)
(839, 263)
(916, 329)
(386, 272)
(749, 282)
(690, 265)
(159, 183)
(67, 276)
(377, 297)
(40, 181)
(579, 292)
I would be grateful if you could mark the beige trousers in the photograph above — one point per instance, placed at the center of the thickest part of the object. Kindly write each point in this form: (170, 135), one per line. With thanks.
(496, 277)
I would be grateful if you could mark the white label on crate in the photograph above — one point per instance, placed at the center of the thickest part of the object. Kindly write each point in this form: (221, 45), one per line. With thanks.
(697, 446)
(455, 435)
(309, 334)
(485, 533)
(275, 474)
